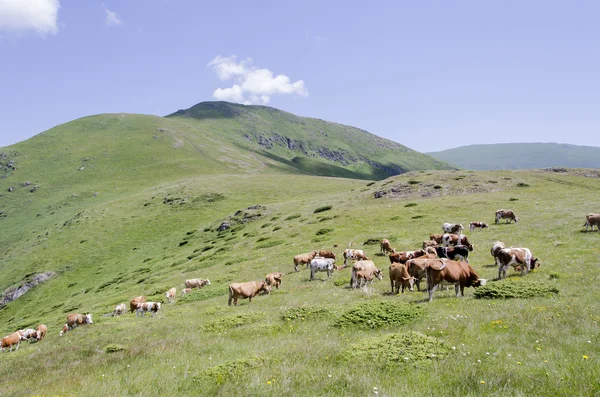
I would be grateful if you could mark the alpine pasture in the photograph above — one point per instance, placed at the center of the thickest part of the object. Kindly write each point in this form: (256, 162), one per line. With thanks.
(144, 222)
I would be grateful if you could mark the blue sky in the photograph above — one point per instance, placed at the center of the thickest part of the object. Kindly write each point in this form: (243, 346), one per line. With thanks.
(431, 75)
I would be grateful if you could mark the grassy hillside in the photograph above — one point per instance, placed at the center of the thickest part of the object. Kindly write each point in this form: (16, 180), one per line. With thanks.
(311, 145)
(517, 156)
(143, 235)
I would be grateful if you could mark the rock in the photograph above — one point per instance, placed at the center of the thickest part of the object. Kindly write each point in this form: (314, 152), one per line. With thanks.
(11, 189)
(224, 226)
(379, 194)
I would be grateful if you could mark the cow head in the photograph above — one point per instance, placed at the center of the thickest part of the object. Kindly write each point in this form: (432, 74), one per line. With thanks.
(411, 282)
(264, 288)
(207, 282)
(534, 263)
(88, 318)
(480, 282)
(378, 274)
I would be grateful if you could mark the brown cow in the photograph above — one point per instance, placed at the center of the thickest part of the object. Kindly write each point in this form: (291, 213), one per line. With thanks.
(303, 259)
(385, 246)
(196, 283)
(11, 340)
(399, 276)
(133, 304)
(416, 268)
(363, 277)
(402, 257)
(246, 290)
(591, 220)
(477, 225)
(516, 257)
(498, 245)
(326, 254)
(75, 320)
(364, 265)
(461, 274)
(353, 254)
(509, 215)
(430, 243)
(456, 239)
(185, 291)
(273, 279)
(41, 331)
(171, 294)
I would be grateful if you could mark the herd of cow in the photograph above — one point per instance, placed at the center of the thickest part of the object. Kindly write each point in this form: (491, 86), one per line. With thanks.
(443, 259)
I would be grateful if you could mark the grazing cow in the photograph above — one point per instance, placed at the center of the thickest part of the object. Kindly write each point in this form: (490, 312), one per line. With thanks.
(185, 291)
(498, 245)
(303, 259)
(592, 220)
(385, 246)
(456, 239)
(273, 279)
(144, 307)
(430, 243)
(461, 274)
(458, 252)
(27, 334)
(196, 283)
(416, 269)
(11, 340)
(75, 320)
(477, 225)
(41, 331)
(326, 254)
(133, 304)
(402, 257)
(506, 214)
(246, 290)
(119, 309)
(64, 329)
(321, 265)
(456, 228)
(352, 254)
(399, 276)
(516, 257)
(170, 294)
(364, 265)
(363, 277)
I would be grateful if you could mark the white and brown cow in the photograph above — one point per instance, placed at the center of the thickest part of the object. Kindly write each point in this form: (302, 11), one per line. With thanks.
(430, 243)
(355, 255)
(514, 257)
(171, 294)
(364, 265)
(402, 257)
(119, 309)
(321, 265)
(246, 290)
(185, 291)
(385, 246)
(417, 268)
(399, 277)
(133, 304)
(28, 334)
(456, 228)
(461, 274)
(592, 220)
(304, 259)
(76, 319)
(456, 239)
(196, 283)
(496, 248)
(152, 307)
(477, 225)
(273, 279)
(327, 254)
(11, 340)
(509, 215)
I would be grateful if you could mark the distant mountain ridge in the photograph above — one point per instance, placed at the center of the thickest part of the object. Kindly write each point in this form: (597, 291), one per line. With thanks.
(518, 156)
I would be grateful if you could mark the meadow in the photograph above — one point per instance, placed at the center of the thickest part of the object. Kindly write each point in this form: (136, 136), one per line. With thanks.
(307, 338)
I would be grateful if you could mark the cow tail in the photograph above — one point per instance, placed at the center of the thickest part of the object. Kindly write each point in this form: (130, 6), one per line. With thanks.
(230, 295)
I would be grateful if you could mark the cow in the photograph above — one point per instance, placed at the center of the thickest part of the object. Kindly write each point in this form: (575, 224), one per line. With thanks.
(11, 340)
(477, 225)
(399, 276)
(416, 269)
(455, 228)
(461, 274)
(321, 265)
(591, 220)
(498, 245)
(430, 243)
(41, 331)
(516, 257)
(246, 290)
(273, 279)
(509, 215)
(64, 329)
(364, 265)
(385, 246)
(456, 239)
(185, 291)
(27, 334)
(75, 320)
(170, 294)
(133, 304)
(119, 309)
(402, 257)
(196, 283)
(352, 254)
(437, 237)
(363, 277)
(304, 259)
(326, 254)
(144, 307)
(458, 252)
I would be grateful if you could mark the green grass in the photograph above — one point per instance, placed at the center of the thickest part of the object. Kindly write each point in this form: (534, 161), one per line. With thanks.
(522, 346)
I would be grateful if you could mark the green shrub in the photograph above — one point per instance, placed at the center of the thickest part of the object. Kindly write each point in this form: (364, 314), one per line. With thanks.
(305, 312)
(113, 348)
(378, 314)
(322, 209)
(325, 218)
(262, 239)
(230, 322)
(513, 199)
(342, 281)
(324, 231)
(437, 187)
(514, 289)
(293, 216)
(413, 182)
(418, 217)
(370, 183)
(373, 241)
(220, 373)
(522, 184)
(276, 228)
(266, 225)
(411, 205)
(395, 218)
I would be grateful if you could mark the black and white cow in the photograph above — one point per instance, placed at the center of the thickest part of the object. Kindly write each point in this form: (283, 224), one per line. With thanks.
(477, 225)
(457, 253)
(456, 228)
(321, 265)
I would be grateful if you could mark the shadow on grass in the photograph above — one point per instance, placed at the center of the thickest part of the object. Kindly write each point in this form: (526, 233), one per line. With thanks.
(588, 231)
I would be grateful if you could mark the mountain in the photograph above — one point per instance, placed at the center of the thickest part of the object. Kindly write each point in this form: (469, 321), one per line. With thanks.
(518, 156)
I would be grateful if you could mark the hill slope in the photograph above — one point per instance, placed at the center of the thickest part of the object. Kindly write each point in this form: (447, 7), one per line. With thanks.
(518, 156)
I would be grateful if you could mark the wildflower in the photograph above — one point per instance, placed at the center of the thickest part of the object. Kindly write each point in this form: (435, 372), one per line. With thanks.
(585, 357)
(538, 348)
(478, 361)
(545, 361)
(453, 347)
(482, 382)
(518, 363)
(268, 382)
(329, 376)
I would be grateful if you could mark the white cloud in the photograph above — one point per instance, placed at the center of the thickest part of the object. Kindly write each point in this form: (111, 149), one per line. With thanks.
(112, 19)
(252, 85)
(20, 16)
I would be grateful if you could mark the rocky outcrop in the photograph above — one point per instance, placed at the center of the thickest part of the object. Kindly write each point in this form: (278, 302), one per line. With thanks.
(12, 293)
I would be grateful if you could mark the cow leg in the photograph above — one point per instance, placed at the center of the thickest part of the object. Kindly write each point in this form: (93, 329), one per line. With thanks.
(431, 291)
(312, 274)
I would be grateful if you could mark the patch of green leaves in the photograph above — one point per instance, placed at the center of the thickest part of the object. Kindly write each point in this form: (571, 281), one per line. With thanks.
(323, 208)
(220, 373)
(379, 314)
(268, 244)
(514, 289)
(230, 322)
